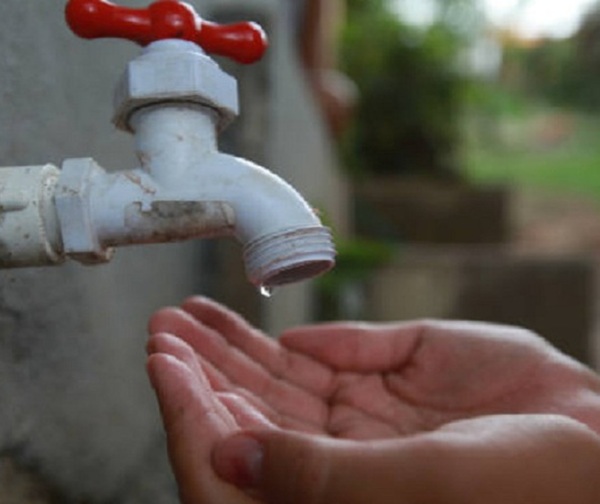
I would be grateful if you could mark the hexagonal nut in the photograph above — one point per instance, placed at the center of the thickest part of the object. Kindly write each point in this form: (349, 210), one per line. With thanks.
(72, 201)
(174, 70)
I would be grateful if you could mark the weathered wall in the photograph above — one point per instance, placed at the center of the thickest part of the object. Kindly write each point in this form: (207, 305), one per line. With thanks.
(76, 412)
(78, 422)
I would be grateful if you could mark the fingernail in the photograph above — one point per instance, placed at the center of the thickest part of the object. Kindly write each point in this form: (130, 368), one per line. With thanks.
(239, 460)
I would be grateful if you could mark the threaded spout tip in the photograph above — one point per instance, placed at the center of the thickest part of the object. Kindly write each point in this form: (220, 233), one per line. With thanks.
(289, 256)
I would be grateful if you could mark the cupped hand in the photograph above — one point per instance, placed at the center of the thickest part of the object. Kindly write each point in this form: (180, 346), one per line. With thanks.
(496, 459)
(380, 381)
(492, 459)
(435, 412)
(196, 419)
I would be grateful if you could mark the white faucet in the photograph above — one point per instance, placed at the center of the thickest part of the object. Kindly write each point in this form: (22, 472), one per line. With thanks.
(174, 98)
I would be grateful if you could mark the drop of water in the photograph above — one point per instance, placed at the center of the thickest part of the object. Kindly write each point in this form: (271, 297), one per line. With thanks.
(266, 291)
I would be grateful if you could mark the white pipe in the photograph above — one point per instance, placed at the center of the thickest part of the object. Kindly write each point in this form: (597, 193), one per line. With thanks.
(184, 188)
(29, 231)
(208, 193)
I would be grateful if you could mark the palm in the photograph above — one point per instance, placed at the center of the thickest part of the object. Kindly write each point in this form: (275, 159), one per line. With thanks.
(364, 382)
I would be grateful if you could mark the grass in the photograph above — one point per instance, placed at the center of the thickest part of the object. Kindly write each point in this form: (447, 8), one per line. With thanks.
(545, 148)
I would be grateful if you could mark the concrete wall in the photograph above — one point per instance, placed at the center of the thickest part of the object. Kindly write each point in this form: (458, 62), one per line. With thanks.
(76, 413)
(554, 296)
(78, 422)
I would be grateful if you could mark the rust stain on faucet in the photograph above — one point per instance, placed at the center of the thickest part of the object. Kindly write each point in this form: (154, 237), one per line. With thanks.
(169, 221)
(138, 182)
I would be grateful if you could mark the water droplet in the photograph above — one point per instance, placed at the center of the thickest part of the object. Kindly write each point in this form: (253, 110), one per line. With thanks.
(266, 291)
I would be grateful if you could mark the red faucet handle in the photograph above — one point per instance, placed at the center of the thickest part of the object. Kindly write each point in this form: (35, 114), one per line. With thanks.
(243, 42)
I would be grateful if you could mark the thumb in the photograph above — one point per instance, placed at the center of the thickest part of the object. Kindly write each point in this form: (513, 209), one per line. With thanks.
(280, 467)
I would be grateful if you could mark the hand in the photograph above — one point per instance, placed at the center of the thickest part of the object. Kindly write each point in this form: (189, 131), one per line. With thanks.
(517, 459)
(195, 419)
(366, 382)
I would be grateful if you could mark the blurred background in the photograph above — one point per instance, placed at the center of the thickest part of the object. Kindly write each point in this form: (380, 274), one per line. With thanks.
(473, 162)
(452, 145)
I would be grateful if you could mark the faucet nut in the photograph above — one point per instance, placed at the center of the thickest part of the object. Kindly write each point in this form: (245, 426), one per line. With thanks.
(174, 70)
(29, 232)
(80, 239)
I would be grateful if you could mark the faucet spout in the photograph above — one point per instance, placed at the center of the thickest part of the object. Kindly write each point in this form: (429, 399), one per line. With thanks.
(284, 240)
(289, 256)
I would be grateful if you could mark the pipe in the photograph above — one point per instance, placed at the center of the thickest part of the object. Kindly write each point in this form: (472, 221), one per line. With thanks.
(29, 228)
(184, 188)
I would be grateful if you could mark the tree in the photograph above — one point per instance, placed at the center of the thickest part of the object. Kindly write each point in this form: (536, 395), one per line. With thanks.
(586, 69)
(407, 120)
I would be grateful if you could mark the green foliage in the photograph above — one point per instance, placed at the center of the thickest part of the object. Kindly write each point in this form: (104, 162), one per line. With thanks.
(547, 71)
(570, 166)
(410, 93)
(586, 65)
(564, 72)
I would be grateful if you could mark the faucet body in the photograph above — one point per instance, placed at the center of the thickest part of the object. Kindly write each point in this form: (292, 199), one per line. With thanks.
(174, 99)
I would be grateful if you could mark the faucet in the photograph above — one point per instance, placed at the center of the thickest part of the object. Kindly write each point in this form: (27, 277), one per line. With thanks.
(174, 99)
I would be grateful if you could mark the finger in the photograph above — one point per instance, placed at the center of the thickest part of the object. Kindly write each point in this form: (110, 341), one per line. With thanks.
(193, 424)
(164, 343)
(287, 468)
(357, 347)
(279, 361)
(503, 459)
(217, 381)
(183, 397)
(209, 344)
(222, 384)
(178, 348)
(246, 415)
(212, 378)
(224, 387)
(239, 368)
(170, 345)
